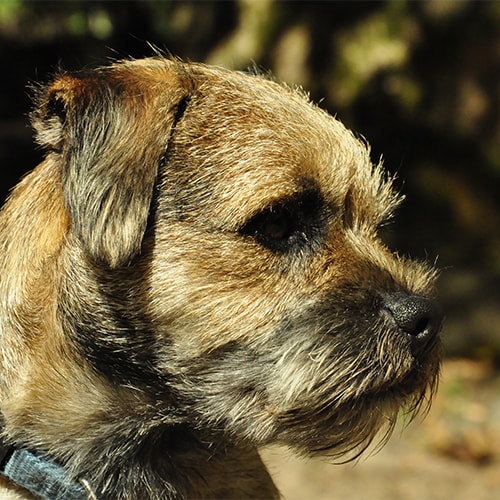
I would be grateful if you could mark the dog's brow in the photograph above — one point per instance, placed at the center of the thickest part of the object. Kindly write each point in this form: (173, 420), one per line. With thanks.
(239, 209)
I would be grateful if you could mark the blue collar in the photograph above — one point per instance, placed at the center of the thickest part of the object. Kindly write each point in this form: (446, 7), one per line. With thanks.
(39, 475)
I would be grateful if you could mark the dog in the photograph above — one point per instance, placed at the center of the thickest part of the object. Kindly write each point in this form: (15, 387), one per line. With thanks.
(192, 273)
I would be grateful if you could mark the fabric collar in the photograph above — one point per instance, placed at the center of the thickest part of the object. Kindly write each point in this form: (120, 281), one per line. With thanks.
(40, 476)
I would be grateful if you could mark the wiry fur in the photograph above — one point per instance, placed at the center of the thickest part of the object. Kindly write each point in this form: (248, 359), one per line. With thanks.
(151, 336)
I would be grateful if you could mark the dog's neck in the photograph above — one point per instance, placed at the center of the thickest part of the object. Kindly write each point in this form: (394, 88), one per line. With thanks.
(171, 473)
(39, 475)
(122, 443)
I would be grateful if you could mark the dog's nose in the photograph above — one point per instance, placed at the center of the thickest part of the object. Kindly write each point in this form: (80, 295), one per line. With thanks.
(417, 316)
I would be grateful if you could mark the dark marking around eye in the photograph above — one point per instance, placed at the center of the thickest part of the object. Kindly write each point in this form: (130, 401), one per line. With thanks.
(287, 225)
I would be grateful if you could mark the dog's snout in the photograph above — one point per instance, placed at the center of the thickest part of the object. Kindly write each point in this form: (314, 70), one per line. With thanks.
(417, 316)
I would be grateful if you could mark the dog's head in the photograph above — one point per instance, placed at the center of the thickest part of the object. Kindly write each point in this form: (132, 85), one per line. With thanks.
(224, 231)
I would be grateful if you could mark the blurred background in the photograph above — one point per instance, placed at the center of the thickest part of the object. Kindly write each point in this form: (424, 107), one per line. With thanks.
(421, 82)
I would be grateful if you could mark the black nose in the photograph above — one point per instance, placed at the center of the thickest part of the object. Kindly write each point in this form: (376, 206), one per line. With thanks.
(417, 316)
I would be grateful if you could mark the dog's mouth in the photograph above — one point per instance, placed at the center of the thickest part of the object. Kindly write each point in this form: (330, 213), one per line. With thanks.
(422, 372)
(320, 411)
(343, 430)
(348, 408)
(320, 392)
(346, 428)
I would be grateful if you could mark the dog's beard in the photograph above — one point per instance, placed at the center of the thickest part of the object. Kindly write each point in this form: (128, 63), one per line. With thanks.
(313, 389)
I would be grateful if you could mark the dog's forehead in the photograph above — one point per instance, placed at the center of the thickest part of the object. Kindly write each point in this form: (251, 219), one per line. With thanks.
(253, 142)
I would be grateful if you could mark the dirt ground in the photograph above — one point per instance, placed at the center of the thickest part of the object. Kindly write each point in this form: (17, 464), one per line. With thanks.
(453, 454)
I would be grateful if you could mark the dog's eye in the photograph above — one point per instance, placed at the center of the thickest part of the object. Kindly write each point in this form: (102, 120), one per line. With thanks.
(284, 226)
(276, 224)
(274, 228)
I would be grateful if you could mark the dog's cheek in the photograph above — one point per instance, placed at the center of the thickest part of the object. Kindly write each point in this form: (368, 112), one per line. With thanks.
(226, 391)
(211, 290)
(287, 391)
(298, 385)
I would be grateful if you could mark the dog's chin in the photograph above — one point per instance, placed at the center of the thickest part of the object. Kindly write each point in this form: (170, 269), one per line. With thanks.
(316, 394)
(344, 433)
(341, 438)
(326, 421)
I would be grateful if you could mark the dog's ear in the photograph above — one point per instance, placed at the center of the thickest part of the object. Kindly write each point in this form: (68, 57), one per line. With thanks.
(109, 129)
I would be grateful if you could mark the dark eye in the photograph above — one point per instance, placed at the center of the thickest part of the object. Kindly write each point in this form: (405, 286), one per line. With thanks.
(275, 226)
(285, 226)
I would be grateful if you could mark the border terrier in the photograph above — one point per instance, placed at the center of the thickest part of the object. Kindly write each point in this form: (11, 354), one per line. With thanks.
(193, 272)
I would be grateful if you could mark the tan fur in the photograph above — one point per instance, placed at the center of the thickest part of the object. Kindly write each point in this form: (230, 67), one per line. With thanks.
(194, 271)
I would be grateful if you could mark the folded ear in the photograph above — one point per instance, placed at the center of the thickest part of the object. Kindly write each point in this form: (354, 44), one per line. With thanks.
(109, 129)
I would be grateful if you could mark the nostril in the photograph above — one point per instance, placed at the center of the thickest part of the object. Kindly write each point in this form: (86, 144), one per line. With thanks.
(415, 315)
(422, 325)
